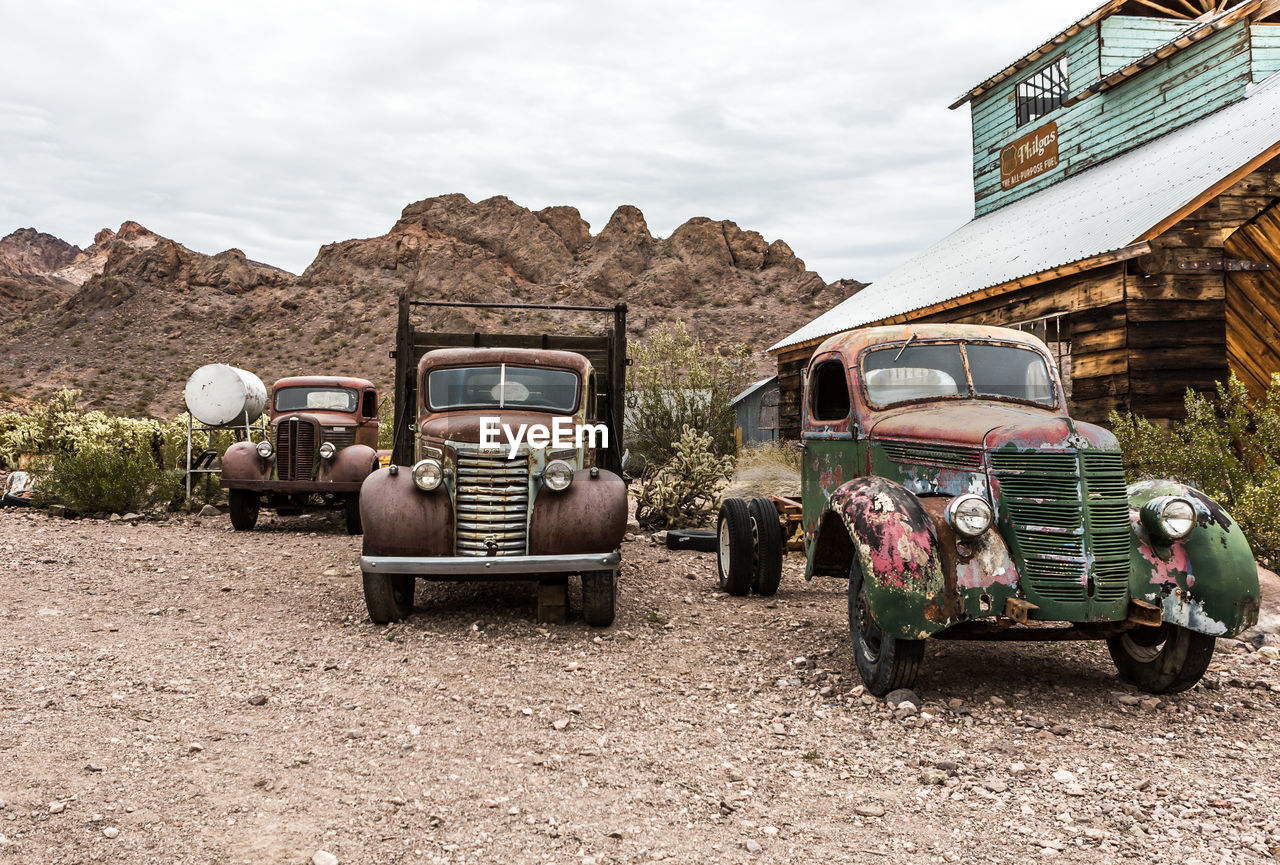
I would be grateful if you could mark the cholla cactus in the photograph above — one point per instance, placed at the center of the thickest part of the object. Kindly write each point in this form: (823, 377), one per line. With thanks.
(683, 491)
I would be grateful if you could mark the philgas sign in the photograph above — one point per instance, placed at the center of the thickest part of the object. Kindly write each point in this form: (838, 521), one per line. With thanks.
(1029, 156)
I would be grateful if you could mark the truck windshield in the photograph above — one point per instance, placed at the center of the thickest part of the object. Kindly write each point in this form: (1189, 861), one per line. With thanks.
(322, 398)
(503, 386)
(896, 374)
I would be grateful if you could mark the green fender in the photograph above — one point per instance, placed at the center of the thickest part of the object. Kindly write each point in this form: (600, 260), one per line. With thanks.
(1206, 582)
(896, 545)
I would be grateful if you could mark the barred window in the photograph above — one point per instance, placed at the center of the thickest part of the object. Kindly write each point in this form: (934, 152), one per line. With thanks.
(1042, 92)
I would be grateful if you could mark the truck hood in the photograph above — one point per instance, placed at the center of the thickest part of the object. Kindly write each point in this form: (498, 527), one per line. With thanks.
(991, 426)
(324, 418)
(464, 426)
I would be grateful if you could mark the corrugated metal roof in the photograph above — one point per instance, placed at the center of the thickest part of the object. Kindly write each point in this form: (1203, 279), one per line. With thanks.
(752, 389)
(1101, 210)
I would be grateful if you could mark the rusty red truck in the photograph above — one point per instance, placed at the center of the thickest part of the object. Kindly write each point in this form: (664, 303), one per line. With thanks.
(943, 477)
(321, 446)
(506, 465)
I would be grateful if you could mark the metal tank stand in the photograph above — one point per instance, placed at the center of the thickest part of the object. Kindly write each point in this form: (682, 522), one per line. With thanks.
(204, 462)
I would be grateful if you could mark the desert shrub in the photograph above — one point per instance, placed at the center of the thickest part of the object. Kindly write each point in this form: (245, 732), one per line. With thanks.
(1228, 447)
(386, 424)
(93, 462)
(766, 469)
(684, 490)
(677, 380)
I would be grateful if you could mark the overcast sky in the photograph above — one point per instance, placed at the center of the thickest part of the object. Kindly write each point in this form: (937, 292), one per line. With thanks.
(277, 127)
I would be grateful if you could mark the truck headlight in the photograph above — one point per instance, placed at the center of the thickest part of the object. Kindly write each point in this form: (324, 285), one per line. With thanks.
(1170, 518)
(327, 450)
(969, 515)
(558, 475)
(427, 474)
(265, 450)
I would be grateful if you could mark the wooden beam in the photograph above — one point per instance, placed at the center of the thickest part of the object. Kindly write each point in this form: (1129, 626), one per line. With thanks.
(1194, 10)
(1267, 9)
(1165, 9)
(1211, 193)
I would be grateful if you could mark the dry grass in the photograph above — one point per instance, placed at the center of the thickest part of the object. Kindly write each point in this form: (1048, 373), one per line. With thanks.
(771, 469)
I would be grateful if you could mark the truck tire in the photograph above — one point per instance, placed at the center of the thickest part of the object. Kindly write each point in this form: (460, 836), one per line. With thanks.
(599, 597)
(735, 555)
(698, 540)
(389, 597)
(769, 549)
(885, 663)
(243, 505)
(351, 508)
(1165, 660)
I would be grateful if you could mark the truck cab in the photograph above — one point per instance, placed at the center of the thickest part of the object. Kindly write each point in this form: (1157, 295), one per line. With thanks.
(321, 446)
(944, 478)
(507, 476)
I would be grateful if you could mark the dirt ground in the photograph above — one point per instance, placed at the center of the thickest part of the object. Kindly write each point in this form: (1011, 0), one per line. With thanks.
(178, 693)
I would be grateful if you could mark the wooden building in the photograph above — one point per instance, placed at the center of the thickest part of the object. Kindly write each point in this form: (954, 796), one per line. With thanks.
(756, 413)
(1126, 175)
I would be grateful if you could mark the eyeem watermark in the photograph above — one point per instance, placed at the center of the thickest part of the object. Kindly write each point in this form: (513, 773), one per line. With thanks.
(562, 433)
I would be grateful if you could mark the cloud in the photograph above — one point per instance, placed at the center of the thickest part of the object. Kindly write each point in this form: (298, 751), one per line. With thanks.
(278, 127)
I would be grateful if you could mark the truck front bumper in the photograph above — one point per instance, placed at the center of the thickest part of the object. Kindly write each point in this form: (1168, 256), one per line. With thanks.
(293, 486)
(489, 567)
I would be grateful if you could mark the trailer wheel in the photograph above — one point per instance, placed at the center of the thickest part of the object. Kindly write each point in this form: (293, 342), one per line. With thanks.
(599, 597)
(768, 537)
(351, 508)
(243, 505)
(389, 597)
(885, 663)
(1164, 660)
(735, 557)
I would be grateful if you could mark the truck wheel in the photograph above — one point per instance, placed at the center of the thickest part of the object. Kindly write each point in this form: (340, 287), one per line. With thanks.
(768, 538)
(351, 507)
(1163, 660)
(243, 505)
(735, 558)
(389, 597)
(885, 663)
(599, 597)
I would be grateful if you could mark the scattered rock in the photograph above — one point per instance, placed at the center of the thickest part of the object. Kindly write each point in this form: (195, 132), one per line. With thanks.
(110, 831)
(902, 695)
(323, 857)
(57, 807)
(930, 776)
(753, 846)
(1271, 653)
(869, 809)
(258, 700)
(209, 511)
(57, 510)
(995, 785)
(560, 723)
(997, 701)
(1062, 776)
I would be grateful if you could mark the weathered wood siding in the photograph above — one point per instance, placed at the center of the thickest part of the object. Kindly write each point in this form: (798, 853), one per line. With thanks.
(791, 365)
(1266, 50)
(1183, 88)
(1126, 38)
(1253, 303)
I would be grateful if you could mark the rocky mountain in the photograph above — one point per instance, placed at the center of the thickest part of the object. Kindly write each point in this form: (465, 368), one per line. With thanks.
(129, 317)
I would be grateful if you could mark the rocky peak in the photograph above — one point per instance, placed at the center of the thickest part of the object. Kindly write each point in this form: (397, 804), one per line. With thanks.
(27, 252)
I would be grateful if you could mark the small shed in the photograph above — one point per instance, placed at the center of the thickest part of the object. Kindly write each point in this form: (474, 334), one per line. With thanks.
(757, 412)
(1126, 178)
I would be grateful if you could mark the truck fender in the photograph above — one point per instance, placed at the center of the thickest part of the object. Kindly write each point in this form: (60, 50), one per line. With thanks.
(242, 463)
(1208, 581)
(895, 542)
(401, 520)
(590, 516)
(351, 464)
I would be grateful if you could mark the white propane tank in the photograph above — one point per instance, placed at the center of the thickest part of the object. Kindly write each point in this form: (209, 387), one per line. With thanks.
(221, 395)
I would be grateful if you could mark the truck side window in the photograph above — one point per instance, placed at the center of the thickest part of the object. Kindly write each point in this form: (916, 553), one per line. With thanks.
(369, 408)
(829, 391)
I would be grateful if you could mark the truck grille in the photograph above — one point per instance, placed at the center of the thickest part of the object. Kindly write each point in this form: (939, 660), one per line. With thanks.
(295, 449)
(342, 438)
(492, 504)
(934, 455)
(1069, 515)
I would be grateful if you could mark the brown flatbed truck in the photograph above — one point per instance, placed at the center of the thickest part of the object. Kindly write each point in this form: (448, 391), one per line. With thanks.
(474, 490)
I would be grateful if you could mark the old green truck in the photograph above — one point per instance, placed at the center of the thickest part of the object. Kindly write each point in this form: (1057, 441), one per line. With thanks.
(943, 477)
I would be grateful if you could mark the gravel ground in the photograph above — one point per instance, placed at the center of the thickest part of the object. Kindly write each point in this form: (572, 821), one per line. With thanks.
(174, 692)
